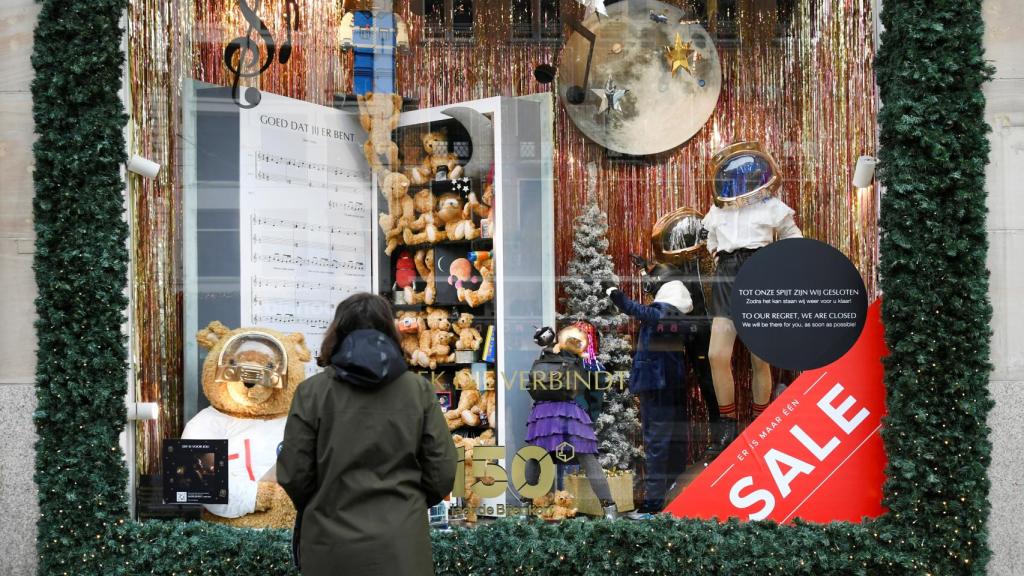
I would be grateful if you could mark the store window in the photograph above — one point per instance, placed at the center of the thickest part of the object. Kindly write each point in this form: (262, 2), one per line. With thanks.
(536, 20)
(592, 228)
(449, 20)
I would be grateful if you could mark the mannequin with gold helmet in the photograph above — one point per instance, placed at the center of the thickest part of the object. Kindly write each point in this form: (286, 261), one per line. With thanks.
(746, 215)
(677, 240)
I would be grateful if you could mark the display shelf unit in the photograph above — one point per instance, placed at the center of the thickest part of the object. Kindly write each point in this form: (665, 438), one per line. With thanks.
(522, 242)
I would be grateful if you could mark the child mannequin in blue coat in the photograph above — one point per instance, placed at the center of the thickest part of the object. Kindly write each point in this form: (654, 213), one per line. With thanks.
(658, 379)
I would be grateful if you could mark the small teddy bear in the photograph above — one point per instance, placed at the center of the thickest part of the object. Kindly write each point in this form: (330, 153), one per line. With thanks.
(485, 293)
(423, 230)
(249, 376)
(469, 398)
(482, 208)
(410, 325)
(456, 225)
(554, 506)
(424, 261)
(469, 337)
(401, 210)
(437, 157)
(483, 412)
(436, 339)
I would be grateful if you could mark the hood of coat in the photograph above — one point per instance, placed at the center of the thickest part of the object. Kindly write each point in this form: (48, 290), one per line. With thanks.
(675, 294)
(368, 359)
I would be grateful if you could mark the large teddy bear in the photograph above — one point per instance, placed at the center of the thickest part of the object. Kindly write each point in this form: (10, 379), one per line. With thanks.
(249, 377)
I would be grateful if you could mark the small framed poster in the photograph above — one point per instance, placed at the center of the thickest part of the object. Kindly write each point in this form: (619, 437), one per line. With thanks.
(195, 471)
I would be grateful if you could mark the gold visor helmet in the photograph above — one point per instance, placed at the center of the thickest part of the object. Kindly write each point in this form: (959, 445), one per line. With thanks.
(253, 358)
(676, 236)
(744, 173)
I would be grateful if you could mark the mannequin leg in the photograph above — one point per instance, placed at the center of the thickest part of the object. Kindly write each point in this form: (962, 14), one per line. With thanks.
(656, 415)
(723, 432)
(761, 385)
(723, 337)
(680, 450)
(697, 358)
(596, 477)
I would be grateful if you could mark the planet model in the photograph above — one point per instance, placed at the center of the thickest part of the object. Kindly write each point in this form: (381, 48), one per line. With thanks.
(664, 69)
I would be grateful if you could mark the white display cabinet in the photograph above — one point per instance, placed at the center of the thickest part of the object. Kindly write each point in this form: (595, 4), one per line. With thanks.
(522, 240)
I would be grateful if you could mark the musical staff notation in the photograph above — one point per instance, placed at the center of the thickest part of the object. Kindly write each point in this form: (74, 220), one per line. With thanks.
(320, 323)
(320, 262)
(352, 208)
(299, 243)
(312, 166)
(299, 225)
(281, 284)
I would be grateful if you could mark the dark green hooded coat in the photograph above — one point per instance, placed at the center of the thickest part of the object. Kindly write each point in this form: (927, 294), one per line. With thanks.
(366, 450)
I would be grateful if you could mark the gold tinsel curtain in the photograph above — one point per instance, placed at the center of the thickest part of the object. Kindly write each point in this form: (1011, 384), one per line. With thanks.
(797, 75)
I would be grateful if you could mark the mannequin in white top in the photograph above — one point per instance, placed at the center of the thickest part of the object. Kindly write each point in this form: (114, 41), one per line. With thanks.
(737, 226)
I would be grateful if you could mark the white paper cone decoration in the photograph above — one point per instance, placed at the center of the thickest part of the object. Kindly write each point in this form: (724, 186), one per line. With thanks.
(865, 171)
(143, 167)
(143, 410)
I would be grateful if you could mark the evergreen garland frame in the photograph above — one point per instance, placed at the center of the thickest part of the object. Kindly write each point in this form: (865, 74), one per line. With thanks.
(934, 149)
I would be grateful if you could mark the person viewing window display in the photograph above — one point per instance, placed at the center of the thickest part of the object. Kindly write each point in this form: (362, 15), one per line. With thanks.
(746, 216)
(366, 450)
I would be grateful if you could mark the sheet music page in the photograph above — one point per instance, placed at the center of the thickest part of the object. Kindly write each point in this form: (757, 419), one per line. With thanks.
(305, 216)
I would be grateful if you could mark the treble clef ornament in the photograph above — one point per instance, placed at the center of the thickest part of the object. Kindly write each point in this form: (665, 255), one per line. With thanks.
(242, 54)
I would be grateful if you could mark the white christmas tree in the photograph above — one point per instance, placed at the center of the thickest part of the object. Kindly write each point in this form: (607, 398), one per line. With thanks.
(591, 270)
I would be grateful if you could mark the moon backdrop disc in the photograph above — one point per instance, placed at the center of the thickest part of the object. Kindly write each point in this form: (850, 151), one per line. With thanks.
(654, 80)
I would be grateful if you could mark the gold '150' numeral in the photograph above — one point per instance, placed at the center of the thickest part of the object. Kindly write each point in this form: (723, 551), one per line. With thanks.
(484, 468)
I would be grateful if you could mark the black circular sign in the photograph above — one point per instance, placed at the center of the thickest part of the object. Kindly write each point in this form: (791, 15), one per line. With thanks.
(799, 304)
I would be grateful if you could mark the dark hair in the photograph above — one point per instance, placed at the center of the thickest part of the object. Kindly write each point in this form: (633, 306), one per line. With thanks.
(362, 311)
(660, 275)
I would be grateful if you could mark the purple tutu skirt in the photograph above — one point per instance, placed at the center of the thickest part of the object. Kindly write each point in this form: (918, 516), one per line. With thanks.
(552, 423)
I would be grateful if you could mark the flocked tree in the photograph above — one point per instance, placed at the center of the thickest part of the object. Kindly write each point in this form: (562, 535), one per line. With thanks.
(591, 270)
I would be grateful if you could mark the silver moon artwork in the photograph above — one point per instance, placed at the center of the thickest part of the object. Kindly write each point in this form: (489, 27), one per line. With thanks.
(654, 81)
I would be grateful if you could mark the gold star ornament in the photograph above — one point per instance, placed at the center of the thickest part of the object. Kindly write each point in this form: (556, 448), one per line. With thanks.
(678, 56)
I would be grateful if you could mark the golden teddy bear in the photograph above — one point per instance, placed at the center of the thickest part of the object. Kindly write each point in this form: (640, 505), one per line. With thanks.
(555, 506)
(249, 377)
(471, 500)
(410, 325)
(457, 226)
(436, 339)
(485, 292)
(437, 156)
(423, 230)
(469, 337)
(401, 210)
(424, 262)
(379, 114)
(468, 399)
(485, 408)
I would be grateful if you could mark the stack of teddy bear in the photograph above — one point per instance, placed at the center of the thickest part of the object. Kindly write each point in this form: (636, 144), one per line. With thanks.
(431, 337)
(420, 218)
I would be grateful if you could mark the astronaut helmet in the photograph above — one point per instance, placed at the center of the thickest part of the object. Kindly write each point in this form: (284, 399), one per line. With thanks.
(744, 173)
(676, 236)
(253, 358)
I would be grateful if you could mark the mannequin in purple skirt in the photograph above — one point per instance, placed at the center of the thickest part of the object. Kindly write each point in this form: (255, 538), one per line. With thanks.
(551, 423)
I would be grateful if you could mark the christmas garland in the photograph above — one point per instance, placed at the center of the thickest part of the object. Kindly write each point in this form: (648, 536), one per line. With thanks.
(930, 72)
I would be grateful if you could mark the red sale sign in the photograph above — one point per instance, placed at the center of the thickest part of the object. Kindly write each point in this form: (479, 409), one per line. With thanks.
(815, 453)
